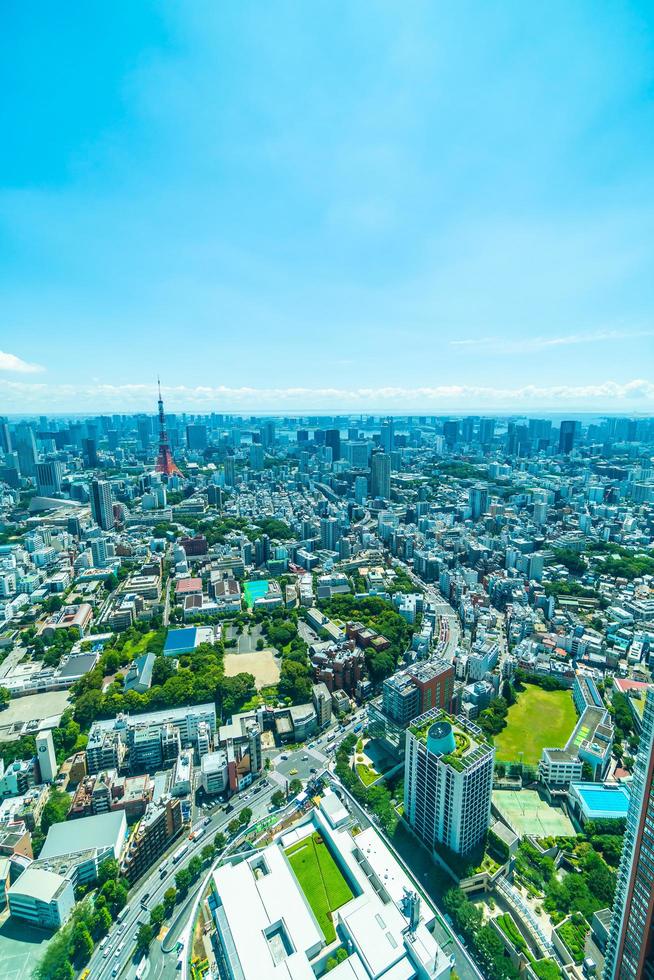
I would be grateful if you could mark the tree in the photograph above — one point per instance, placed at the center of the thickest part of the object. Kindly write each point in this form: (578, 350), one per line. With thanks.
(5, 697)
(115, 893)
(219, 842)
(195, 867)
(234, 826)
(81, 943)
(169, 899)
(144, 937)
(183, 881)
(108, 870)
(207, 852)
(101, 922)
(157, 915)
(55, 810)
(245, 816)
(295, 787)
(277, 799)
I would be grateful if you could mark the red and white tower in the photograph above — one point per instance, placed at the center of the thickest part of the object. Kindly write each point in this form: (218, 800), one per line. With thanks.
(165, 463)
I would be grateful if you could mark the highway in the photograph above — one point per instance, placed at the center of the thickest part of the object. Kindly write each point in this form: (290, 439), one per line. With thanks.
(122, 938)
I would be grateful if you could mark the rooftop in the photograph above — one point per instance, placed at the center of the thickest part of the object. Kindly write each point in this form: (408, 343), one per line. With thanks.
(72, 836)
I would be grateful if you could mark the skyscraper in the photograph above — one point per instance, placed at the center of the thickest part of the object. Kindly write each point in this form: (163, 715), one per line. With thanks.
(478, 500)
(230, 471)
(25, 446)
(630, 948)
(567, 436)
(333, 440)
(101, 504)
(196, 437)
(381, 476)
(48, 477)
(448, 779)
(257, 456)
(387, 436)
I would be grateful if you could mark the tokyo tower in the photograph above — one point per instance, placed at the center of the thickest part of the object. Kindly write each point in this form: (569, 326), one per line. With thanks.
(165, 463)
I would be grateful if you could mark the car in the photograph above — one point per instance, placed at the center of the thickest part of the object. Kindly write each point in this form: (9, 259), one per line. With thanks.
(305, 758)
(106, 953)
(206, 821)
(313, 769)
(293, 772)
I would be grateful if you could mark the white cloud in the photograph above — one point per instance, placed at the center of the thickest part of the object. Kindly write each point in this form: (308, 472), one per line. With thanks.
(526, 344)
(25, 397)
(9, 362)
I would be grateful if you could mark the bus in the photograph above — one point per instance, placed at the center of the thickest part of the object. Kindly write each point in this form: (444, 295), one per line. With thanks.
(180, 852)
(140, 969)
(122, 914)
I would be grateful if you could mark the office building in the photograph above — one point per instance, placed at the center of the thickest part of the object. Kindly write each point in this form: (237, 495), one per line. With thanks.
(214, 773)
(387, 437)
(448, 778)
(24, 445)
(43, 898)
(45, 753)
(196, 437)
(333, 442)
(230, 471)
(567, 434)
(90, 453)
(257, 456)
(630, 948)
(265, 928)
(380, 483)
(102, 504)
(48, 478)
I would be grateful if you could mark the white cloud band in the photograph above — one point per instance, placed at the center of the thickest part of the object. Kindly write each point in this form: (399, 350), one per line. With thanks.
(24, 397)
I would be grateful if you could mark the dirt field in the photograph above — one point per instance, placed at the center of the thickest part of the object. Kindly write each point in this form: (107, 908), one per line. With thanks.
(261, 664)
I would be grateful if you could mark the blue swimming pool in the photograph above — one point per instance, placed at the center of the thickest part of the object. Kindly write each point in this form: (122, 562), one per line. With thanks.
(602, 801)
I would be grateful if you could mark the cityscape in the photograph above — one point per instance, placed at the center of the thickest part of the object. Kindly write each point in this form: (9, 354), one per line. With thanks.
(326, 490)
(359, 695)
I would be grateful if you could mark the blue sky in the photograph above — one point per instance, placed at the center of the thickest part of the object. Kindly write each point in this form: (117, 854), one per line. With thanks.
(333, 205)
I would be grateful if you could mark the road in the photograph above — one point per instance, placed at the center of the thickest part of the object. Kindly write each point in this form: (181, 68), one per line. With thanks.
(450, 627)
(124, 934)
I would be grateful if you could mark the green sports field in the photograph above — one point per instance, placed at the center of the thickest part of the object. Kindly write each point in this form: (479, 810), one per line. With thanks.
(537, 720)
(320, 879)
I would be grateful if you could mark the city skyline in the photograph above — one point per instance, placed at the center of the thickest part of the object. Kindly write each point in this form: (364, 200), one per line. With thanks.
(422, 210)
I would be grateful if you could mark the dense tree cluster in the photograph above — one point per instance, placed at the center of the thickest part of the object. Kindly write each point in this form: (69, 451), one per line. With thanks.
(485, 945)
(378, 614)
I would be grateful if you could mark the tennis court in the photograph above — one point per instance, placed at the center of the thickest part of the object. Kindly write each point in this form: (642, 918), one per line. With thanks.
(528, 813)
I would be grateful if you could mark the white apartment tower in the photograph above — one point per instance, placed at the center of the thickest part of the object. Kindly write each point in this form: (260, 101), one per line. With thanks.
(448, 779)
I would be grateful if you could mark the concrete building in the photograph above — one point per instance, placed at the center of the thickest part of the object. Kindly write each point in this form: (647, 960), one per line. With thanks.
(448, 777)
(45, 754)
(214, 773)
(43, 898)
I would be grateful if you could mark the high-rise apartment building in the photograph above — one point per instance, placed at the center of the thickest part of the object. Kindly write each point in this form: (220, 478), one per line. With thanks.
(381, 476)
(101, 504)
(630, 948)
(46, 757)
(448, 779)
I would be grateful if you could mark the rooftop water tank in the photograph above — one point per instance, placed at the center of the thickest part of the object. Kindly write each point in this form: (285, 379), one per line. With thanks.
(440, 738)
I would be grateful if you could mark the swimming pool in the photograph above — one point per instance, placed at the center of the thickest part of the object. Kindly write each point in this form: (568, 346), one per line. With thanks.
(597, 801)
(255, 590)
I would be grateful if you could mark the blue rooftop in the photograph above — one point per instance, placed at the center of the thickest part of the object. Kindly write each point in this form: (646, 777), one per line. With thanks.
(601, 801)
(181, 641)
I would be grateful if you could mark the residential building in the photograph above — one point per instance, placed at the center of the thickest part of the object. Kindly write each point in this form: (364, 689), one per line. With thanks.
(102, 504)
(448, 777)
